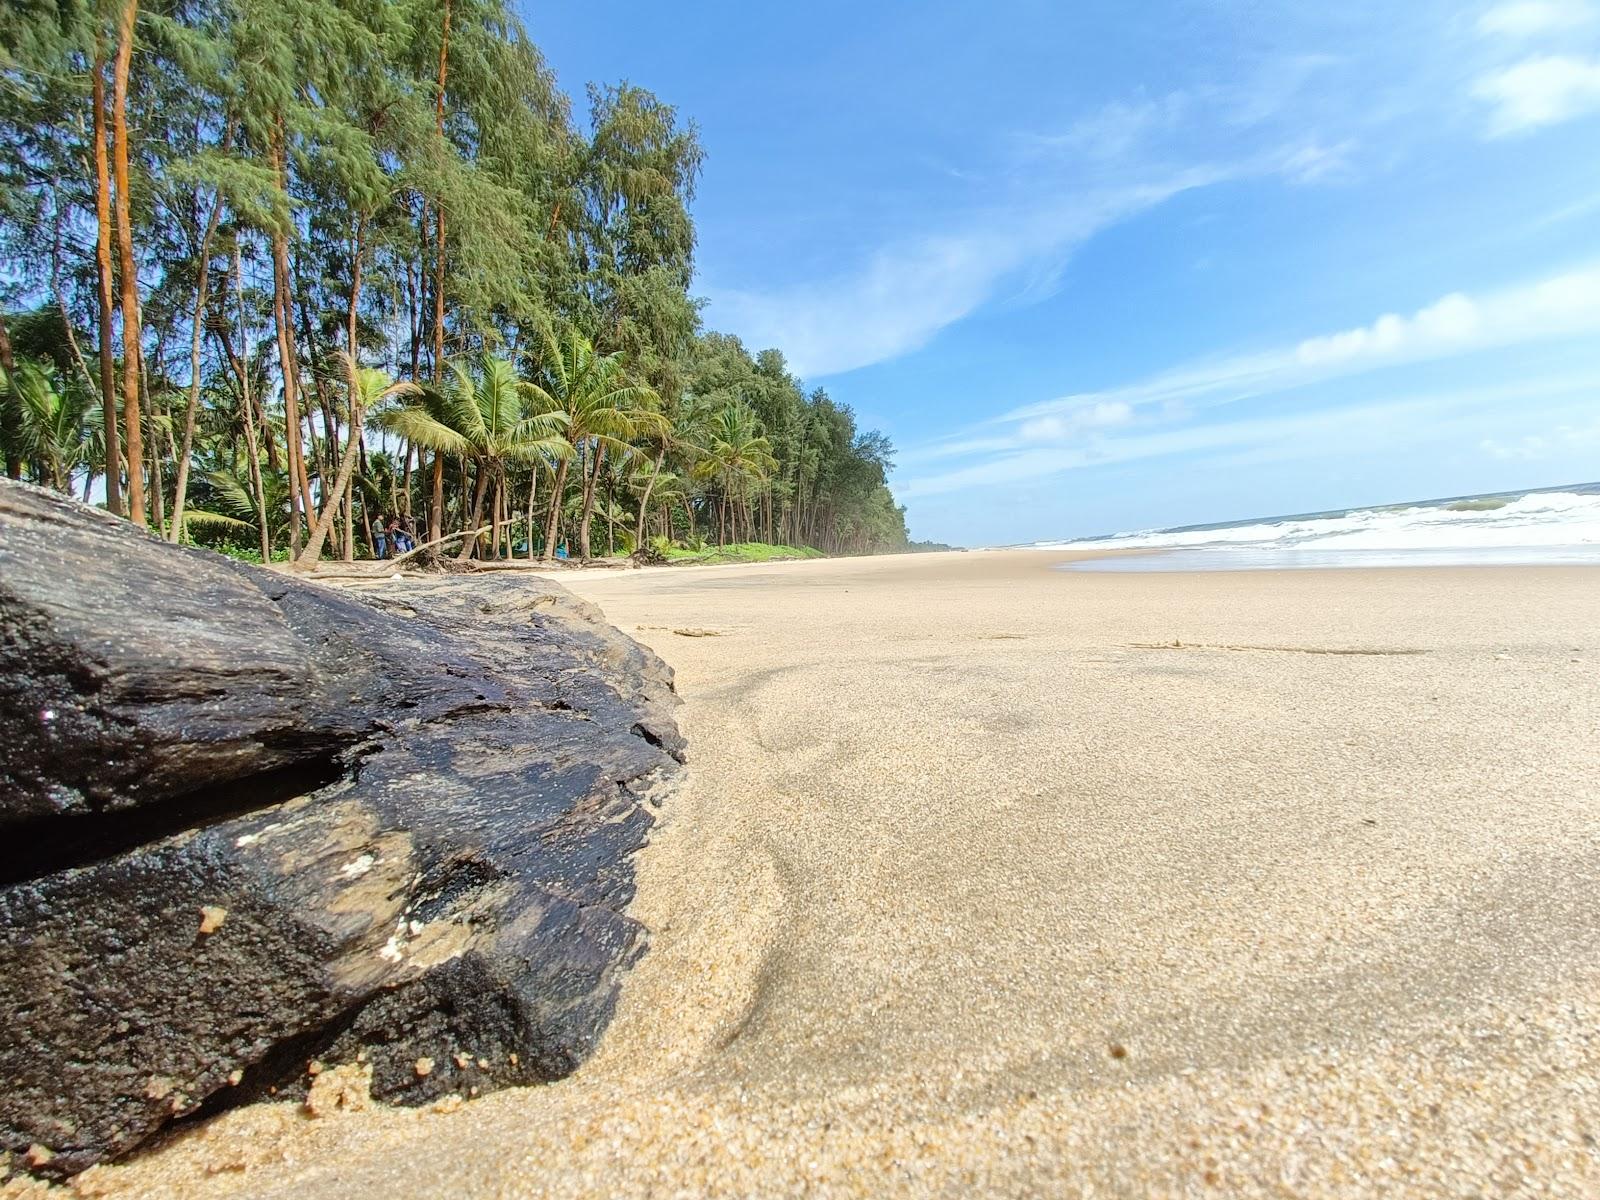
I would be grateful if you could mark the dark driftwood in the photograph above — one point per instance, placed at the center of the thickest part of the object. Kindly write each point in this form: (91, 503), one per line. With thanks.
(250, 821)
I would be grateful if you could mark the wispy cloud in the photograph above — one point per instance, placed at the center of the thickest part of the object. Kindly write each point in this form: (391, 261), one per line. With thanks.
(1534, 18)
(1393, 422)
(1558, 84)
(908, 292)
(1076, 430)
(1289, 118)
(1543, 90)
(1050, 192)
(1314, 162)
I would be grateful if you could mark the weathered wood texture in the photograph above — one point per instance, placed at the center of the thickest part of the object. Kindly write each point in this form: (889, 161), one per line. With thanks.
(249, 821)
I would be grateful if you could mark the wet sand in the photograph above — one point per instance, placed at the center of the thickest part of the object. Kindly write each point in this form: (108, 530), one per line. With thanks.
(998, 879)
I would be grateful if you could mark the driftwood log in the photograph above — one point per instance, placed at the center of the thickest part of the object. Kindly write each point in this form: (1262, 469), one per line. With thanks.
(248, 822)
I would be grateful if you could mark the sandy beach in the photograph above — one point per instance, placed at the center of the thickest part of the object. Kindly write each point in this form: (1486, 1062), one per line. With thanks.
(994, 878)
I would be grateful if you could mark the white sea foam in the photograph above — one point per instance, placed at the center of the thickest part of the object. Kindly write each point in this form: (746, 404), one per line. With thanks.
(1538, 519)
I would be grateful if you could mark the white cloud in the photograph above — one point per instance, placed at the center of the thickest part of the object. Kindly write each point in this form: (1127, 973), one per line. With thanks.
(1059, 434)
(1045, 195)
(1393, 423)
(1544, 90)
(1531, 18)
(1103, 414)
(907, 293)
(1116, 128)
(1455, 319)
(1313, 162)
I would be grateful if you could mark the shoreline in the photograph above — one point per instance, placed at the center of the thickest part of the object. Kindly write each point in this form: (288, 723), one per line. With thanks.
(980, 884)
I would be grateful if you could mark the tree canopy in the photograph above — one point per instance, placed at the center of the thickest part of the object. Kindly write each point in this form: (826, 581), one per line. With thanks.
(284, 269)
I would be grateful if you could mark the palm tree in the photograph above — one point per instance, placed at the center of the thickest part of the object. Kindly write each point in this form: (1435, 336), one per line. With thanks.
(490, 420)
(604, 411)
(58, 424)
(367, 387)
(685, 438)
(242, 503)
(670, 489)
(739, 457)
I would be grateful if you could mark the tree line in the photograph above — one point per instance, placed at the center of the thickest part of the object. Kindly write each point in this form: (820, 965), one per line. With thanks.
(277, 269)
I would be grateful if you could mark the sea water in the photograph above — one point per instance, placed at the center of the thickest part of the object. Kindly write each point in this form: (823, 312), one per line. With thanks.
(1549, 526)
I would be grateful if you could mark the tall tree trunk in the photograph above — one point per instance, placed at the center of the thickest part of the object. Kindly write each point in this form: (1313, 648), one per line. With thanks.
(157, 492)
(181, 489)
(336, 495)
(10, 414)
(611, 524)
(405, 476)
(291, 405)
(257, 484)
(436, 500)
(333, 496)
(241, 368)
(506, 527)
(363, 466)
(107, 313)
(470, 542)
(494, 519)
(590, 483)
(533, 491)
(644, 501)
(357, 254)
(60, 294)
(394, 500)
(438, 238)
(414, 303)
(328, 453)
(283, 317)
(130, 278)
(555, 511)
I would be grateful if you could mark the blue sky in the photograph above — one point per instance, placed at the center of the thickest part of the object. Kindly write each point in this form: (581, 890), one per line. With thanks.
(1108, 266)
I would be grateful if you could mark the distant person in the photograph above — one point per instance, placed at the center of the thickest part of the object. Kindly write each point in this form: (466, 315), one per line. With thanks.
(399, 540)
(380, 538)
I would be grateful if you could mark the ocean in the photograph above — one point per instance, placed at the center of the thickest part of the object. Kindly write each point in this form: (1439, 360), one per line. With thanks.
(1544, 526)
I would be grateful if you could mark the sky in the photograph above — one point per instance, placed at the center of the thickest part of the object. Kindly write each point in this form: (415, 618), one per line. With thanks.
(1102, 266)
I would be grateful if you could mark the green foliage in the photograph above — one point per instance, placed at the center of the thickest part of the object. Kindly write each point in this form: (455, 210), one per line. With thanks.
(367, 199)
(56, 426)
(742, 552)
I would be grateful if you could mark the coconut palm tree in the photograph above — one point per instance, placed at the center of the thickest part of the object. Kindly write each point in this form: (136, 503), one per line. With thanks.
(605, 410)
(685, 439)
(489, 419)
(238, 500)
(367, 388)
(58, 424)
(738, 458)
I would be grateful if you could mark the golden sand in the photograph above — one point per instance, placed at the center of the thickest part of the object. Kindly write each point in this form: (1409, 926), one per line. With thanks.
(997, 879)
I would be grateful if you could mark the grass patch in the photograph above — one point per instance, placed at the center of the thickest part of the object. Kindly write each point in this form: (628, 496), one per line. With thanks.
(742, 552)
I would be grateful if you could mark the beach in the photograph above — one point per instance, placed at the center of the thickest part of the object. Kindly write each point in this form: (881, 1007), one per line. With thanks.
(996, 878)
